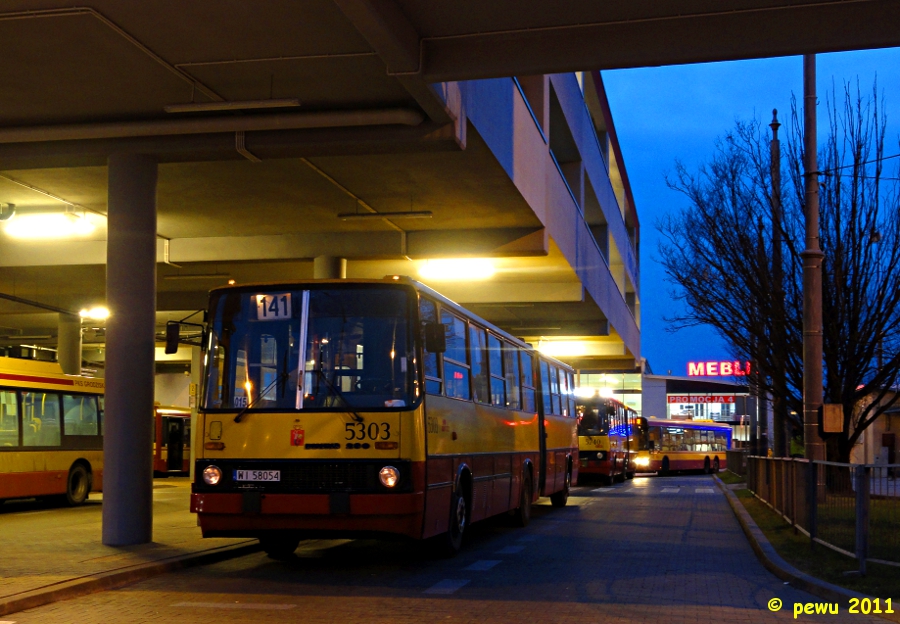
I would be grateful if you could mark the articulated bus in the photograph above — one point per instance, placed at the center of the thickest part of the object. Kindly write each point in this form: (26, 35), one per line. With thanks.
(686, 445)
(172, 440)
(371, 407)
(51, 432)
(608, 439)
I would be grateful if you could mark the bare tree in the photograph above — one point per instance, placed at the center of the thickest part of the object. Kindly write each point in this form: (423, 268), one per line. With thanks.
(718, 252)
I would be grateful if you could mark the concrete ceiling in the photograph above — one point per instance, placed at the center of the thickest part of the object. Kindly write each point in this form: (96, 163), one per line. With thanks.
(256, 196)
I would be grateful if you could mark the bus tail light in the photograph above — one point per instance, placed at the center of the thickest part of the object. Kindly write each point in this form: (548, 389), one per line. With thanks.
(389, 476)
(212, 475)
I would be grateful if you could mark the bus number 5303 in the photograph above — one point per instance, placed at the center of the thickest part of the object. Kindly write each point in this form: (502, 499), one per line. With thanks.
(372, 431)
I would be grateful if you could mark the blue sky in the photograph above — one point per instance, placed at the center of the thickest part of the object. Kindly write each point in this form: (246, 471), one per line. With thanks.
(664, 114)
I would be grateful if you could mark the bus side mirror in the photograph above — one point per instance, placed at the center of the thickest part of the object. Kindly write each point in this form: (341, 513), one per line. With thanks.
(435, 338)
(173, 329)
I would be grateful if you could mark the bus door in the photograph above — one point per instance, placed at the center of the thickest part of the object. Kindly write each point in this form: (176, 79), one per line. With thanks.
(175, 444)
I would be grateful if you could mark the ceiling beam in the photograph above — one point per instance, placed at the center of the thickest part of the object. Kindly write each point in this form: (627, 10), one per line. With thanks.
(735, 30)
(396, 41)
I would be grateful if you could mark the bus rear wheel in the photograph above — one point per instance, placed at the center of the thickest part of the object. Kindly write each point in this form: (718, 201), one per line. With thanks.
(706, 466)
(716, 465)
(664, 469)
(559, 499)
(78, 485)
(279, 547)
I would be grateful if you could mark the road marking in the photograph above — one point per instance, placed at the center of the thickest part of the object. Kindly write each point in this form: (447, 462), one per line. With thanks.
(447, 586)
(510, 550)
(607, 489)
(704, 490)
(482, 565)
(670, 490)
(258, 606)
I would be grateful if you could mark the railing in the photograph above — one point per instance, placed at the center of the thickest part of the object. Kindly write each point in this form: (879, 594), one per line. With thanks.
(736, 461)
(851, 508)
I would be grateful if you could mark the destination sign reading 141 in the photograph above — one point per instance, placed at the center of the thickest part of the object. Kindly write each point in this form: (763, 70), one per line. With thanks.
(273, 307)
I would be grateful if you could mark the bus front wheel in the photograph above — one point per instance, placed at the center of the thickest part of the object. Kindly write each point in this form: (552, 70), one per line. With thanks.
(279, 547)
(78, 486)
(664, 469)
(458, 523)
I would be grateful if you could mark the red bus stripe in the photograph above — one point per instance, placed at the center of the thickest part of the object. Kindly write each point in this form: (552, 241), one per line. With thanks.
(30, 379)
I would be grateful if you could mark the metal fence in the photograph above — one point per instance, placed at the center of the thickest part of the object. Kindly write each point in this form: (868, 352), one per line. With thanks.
(736, 461)
(851, 508)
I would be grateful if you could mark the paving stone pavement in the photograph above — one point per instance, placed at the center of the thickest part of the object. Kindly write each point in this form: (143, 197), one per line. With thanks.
(44, 544)
(649, 551)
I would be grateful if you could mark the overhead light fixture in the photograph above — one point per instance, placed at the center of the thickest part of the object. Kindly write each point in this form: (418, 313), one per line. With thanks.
(459, 269)
(196, 276)
(200, 107)
(48, 225)
(97, 313)
(367, 216)
(563, 348)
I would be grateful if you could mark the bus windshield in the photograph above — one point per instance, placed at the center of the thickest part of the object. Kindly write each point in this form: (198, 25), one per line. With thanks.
(358, 351)
(593, 419)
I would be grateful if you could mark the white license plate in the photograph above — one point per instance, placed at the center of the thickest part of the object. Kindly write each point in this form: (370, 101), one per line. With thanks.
(257, 475)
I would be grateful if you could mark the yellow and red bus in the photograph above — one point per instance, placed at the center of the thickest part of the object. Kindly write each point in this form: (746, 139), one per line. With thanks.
(172, 440)
(607, 442)
(675, 445)
(372, 407)
(51, 432)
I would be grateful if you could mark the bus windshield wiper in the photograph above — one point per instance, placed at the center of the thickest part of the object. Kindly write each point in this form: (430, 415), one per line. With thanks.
(336, 392)
(283, 377)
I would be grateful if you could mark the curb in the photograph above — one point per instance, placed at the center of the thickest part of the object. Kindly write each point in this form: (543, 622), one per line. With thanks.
(773, 562)
(114, 579)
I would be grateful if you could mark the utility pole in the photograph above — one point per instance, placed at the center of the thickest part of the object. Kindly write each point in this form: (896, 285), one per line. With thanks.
(812, 272)
(779, 379)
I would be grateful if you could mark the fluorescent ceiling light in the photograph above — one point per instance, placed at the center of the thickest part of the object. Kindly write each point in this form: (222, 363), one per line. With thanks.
(365, 216)
(197, 276)
(48, 225)
(563, 348)
(199, 107)
(458, 269)
(97, 313)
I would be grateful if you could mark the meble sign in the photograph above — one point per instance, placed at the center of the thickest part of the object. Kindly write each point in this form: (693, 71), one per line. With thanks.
(718, 369)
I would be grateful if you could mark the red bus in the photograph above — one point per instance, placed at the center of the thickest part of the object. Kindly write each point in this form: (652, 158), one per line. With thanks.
(687, 445)
(607, 442)
(172, 440)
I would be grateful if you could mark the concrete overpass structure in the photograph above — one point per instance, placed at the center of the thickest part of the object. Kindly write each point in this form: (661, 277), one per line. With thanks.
(212, 141)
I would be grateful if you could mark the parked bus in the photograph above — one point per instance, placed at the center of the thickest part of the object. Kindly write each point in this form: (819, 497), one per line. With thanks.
(172, 440)
(686, 445)
(607, 446)
(51, 432)
(371, 407)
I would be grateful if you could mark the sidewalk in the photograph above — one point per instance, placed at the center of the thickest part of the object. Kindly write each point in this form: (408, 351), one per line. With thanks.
(50, 553)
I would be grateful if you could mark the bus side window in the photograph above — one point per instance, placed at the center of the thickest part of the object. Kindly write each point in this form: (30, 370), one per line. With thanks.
(545, 387)
(80, 415)
(478, 353)
(564, 393)
(554, 389)
(571, 394)
(511, 368)
(9, 419)
(529, 403)
(498, 384)
(428, 314)
(456, 367)
(40, 419)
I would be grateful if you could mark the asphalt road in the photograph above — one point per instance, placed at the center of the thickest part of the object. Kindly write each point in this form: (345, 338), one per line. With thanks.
(653, 550)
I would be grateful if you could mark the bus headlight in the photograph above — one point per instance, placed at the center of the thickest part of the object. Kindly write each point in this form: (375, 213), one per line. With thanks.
(642, 461)
(389, 476)
(601, 455)
(212, 475)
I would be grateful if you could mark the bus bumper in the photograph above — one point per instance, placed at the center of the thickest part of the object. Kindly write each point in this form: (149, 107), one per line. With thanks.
(595, 467)
(248, 514)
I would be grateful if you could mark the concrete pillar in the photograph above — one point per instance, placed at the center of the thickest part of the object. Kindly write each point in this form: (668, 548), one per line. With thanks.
(68, 344)
(329, 267)
(130, 342)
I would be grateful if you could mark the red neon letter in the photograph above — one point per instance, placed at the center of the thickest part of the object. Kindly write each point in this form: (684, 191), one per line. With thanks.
(696, 368)
(712, 368)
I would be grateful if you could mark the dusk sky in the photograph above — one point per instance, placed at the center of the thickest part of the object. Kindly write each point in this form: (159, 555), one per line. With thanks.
(665, 114)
